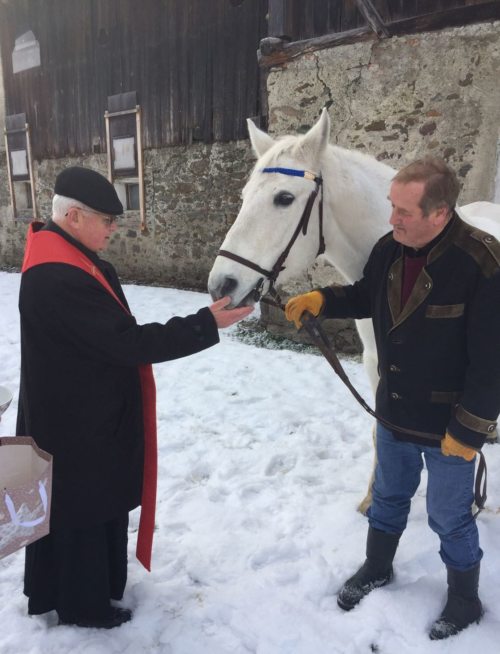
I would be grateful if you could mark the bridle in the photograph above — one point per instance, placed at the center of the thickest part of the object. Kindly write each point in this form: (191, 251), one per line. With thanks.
(272, 275)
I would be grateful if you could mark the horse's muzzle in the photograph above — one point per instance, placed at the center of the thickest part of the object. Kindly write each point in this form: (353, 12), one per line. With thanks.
(229, 287)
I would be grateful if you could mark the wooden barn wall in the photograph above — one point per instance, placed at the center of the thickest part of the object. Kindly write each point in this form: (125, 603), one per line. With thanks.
(311, 18)
(192, 62)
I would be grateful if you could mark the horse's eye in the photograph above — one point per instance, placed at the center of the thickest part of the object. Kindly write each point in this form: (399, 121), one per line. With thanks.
(283, 199)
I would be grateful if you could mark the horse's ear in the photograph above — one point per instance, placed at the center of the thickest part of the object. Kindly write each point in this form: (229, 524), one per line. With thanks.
(261, 142)
(316, 139)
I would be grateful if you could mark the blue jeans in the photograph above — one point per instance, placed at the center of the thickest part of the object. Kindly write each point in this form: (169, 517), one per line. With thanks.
(449, 496)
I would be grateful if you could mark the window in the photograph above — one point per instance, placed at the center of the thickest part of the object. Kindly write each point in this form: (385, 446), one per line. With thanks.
(26, 53)
(19, 162)
(133, 200)
(23, 195)
(124, 153)
(128, 192)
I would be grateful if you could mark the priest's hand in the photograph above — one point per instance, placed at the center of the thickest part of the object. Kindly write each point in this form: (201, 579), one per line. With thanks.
(227, 317)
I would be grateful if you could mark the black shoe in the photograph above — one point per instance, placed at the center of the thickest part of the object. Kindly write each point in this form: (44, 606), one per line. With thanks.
(458, 614)
(116, 618)
(463, 606)
(375, 572)
(363, 582)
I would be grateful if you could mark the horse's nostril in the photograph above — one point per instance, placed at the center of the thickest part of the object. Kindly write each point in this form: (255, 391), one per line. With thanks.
(228, 286)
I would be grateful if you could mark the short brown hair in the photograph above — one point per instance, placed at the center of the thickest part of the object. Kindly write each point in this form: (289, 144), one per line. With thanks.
(441, 183)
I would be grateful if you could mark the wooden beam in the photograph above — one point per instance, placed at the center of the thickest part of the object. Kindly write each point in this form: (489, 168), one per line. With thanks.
(32, 176)
(275, 52)
(108, 147)
(280, 19)
(372, 17)
(140, 166)
(457, 17)
(9, 176)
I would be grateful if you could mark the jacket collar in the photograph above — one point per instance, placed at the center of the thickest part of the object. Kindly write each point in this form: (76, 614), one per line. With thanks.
(443, 241)
(423, 284)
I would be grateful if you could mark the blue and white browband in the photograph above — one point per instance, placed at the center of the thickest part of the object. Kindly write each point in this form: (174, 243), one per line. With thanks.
(307, 174)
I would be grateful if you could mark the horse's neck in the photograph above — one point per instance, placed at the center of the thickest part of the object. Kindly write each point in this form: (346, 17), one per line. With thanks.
(356, 208)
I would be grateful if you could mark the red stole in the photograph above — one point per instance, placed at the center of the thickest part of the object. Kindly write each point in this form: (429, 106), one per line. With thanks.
(50, 247)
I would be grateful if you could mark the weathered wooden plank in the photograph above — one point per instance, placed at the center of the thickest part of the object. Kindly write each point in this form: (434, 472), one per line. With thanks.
(373, 18)
(452, 17)
(350, 18)
(192, 63)
(274, 52)
(280, 19)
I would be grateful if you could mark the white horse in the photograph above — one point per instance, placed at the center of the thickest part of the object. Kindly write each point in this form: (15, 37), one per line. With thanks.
(356, 215)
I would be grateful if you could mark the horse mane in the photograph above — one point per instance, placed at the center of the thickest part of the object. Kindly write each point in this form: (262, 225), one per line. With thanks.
(288, 145)
(293, 146)
(362, 159)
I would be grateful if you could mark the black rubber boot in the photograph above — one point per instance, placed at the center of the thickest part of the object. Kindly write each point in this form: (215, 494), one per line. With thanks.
(375, 572)
(463, 606)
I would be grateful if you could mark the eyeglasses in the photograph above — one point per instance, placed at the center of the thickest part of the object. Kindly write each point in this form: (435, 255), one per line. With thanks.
(106, 220)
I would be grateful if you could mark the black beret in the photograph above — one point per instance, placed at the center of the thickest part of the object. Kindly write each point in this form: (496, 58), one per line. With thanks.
(90, 188)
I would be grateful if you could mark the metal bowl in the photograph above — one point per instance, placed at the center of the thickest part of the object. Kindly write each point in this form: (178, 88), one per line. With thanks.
(5, 399)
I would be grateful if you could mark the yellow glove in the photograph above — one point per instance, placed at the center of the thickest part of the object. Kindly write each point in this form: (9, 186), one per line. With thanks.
(295, 307)
(451, 447)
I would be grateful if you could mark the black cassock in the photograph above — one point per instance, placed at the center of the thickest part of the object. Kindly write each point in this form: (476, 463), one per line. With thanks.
(80, 399)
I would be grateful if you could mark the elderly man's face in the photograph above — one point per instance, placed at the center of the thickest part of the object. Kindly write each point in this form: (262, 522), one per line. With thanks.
(95, 229)
(410, 226)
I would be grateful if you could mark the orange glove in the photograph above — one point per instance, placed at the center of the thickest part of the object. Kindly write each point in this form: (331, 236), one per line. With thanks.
(451, 447)
(295, 307)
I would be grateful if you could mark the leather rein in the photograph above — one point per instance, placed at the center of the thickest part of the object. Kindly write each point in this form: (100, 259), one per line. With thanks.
(312, 325)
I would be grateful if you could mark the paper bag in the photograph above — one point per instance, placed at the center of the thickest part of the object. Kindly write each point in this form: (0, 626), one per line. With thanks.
(25, 493)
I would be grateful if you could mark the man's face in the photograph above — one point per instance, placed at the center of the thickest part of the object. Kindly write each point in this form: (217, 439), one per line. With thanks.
(410, 226)
(94, 229)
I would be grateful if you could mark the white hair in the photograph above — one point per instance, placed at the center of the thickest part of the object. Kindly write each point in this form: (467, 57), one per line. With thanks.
(61, 205)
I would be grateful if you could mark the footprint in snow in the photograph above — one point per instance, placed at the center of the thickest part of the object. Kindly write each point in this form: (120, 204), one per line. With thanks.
(281, 463)
(282, 553)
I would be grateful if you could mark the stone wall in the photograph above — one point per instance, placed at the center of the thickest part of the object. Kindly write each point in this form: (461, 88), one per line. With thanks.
(192, 198)
(398, 99)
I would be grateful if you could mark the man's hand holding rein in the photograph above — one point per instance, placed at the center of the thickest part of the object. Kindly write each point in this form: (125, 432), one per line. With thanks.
(312, 302)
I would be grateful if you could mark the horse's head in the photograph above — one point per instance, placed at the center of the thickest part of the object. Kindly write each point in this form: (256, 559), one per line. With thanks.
(274, 202)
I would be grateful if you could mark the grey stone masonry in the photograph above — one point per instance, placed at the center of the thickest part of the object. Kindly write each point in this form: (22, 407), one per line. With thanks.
(401, 98)
(192, 198)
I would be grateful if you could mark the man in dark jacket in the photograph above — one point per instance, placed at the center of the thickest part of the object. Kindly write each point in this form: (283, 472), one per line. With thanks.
(87, 396)
(432, 289)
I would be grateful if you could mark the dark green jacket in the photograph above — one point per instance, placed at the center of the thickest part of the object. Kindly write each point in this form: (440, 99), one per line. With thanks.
(439, 355)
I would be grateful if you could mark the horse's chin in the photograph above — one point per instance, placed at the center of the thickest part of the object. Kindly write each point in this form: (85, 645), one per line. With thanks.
(248, 301)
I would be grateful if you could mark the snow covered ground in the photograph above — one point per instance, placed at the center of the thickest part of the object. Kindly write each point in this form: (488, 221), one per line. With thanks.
(263, 457)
